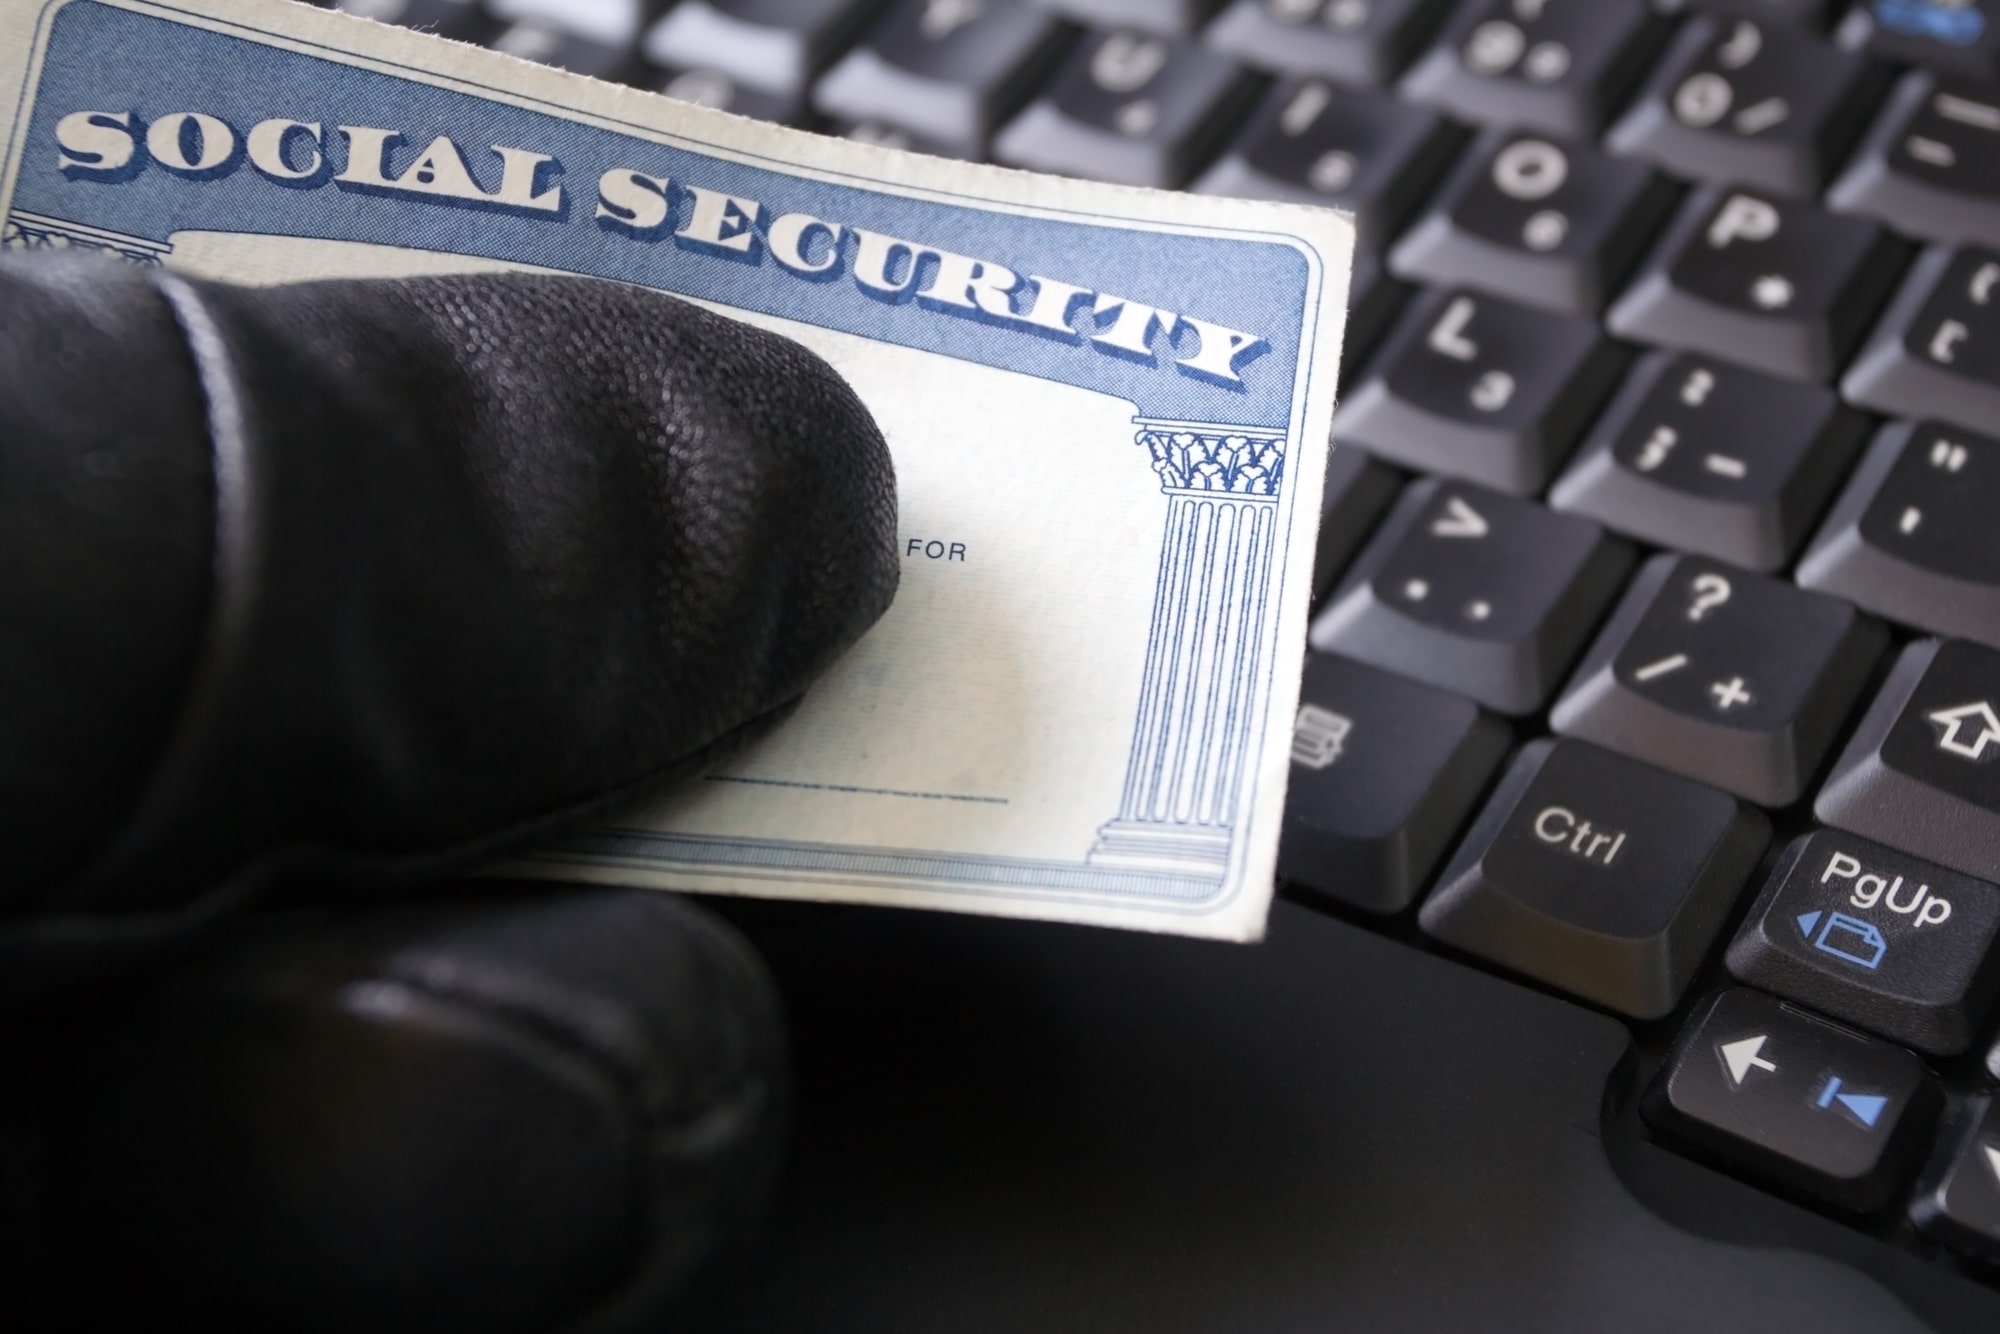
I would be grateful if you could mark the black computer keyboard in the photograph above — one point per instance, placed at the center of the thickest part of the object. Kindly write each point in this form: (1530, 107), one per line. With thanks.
(1664, 519)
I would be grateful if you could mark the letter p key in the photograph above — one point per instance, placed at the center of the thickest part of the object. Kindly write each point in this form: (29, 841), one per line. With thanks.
(1742, 218)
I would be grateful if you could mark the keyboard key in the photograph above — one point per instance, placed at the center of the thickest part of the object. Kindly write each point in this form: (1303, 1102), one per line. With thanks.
(1911, 538)
(1936, 350)
(1384, 771)
(1132, 108)
(1777, 286)
(712, 88)
(1553, 225)
(1883, 941)
(1959, 1203)
(945, 71)
(1373, 298)
(461, 19)
(1922, 771)
(1705, 457)
(1172, 18)
(1814, 14)
(533, 39)
(1475, 593)
(1479, 388)
(773, 45)
(1560, 66)
(1355, 41)
(884, 135)
(1735, 679)
(1597, 875)
(1317, 143)
(1951, 34)
(1931, 165)
(1737, 100)
(1780, 1092)
(608, 23)
(1357, 490)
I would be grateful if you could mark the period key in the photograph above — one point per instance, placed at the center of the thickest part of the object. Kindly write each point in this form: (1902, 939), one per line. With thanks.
(1805, 1102)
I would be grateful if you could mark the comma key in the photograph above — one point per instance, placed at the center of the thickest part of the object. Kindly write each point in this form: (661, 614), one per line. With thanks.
(1474, 593)
(1598, 875)
(1879, 939)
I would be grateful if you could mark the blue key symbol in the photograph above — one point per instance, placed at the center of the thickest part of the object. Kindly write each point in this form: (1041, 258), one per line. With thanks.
(1867, 1108)
(1845, 937)
(1951, 21)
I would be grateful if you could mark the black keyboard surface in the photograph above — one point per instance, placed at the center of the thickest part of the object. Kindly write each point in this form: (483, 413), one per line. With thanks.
(1656, 662)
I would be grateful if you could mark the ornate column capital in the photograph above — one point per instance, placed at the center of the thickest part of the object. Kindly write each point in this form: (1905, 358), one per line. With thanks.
(32, 231)
(1232, 460)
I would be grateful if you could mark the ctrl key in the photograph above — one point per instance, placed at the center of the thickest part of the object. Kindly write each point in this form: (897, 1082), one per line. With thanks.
(1788, 1096)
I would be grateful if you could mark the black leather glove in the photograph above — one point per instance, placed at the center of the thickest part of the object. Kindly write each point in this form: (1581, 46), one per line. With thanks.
(312, 595)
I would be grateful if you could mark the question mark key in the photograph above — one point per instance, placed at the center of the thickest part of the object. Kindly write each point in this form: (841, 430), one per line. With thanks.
(1787, 664)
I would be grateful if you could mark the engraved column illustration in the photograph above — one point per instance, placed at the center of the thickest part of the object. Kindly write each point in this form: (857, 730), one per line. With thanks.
(1197, 707)
(33, 231)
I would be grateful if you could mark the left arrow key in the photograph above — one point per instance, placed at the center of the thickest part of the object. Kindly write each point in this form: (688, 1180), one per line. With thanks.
(1743, 1055)
(1773, 1104)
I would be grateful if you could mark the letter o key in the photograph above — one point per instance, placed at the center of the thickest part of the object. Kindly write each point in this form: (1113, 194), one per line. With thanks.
(1530, 169)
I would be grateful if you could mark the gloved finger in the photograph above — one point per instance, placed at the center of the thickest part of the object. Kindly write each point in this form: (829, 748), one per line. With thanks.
(382, 575)
(532, 1114)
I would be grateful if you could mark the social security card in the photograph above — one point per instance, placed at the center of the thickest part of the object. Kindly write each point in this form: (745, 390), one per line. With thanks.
(1108, 410)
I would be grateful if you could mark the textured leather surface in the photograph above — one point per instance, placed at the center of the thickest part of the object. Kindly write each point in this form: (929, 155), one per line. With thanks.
(321, 587)
(446, 560)
(534, 1112)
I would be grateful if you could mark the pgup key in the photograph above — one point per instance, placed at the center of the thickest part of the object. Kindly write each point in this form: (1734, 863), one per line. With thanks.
(1482, 389)
(1881, 940)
